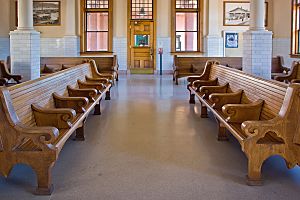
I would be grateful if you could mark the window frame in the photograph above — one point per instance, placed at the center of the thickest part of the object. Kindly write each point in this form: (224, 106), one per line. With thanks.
(295, 28)
(199, 11)
(83, 38)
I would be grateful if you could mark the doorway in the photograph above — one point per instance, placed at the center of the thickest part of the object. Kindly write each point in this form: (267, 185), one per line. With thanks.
(141, 36)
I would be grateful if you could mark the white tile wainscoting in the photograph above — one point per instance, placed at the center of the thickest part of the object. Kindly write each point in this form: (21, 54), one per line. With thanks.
(4, 47)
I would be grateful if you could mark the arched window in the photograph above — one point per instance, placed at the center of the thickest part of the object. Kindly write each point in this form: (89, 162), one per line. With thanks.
(186, 25)
(295, 47)
(96, 26)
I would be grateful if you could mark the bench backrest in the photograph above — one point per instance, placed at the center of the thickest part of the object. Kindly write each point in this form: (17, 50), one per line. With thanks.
(186, 62)
(272, 92)
(104, 63)
(40, 91)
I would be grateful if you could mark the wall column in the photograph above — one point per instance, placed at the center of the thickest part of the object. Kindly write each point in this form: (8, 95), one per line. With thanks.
(71, 39)
(213, 41)
(257, 53)
(25, 44)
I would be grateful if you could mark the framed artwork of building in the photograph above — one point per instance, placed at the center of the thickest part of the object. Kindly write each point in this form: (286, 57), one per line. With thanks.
(237, 13)
(45, 13)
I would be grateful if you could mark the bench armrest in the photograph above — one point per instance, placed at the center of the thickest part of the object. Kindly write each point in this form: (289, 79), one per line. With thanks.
(283, 78)
(88, 85)
(219, 100)
(295, 81)
(88, 93)
(259, 129)
(60, 118)
(208, 90)
(200, 83)
(239, 113)
(98, 80)
(43, 137)
(3, 81)
(76, 103)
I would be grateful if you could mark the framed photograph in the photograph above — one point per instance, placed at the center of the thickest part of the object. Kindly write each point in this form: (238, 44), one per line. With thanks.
(46, 13)
(231, 39)
(237, 13)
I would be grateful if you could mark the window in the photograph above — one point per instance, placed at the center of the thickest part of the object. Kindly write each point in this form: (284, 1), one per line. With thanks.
(142, 9)
(186, 33)
(295, 47)
(97, 25)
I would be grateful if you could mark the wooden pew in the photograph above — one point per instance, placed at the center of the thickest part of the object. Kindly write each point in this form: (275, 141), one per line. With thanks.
(37, 118)
(263, 115)
(292, 76)
(191, 66)
(6, 75)
(105, 65)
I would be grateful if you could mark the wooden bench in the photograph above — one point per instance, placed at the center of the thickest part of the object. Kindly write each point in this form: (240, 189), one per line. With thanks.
(37, 118)
(191, 66)
(105, 65)
(292, 76)
(263, 115)
(5, 75)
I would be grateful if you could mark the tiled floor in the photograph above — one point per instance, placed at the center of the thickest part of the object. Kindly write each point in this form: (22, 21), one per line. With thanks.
(150, 144)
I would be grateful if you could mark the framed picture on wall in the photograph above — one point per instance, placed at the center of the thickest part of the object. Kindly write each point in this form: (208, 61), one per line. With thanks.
(45, 13)
(231, 39)
(237, 13)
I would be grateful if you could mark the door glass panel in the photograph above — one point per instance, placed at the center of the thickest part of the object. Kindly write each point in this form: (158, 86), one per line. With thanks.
(141, 40)
(141, 9)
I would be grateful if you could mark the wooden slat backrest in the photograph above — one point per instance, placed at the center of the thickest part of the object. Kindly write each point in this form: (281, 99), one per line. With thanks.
(40, 91)
(272, 92)
(102, 62)
(186, 62)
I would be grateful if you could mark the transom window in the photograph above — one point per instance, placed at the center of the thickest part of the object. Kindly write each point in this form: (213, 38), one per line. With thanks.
(186, 30)
(295, 49)
(97, 25)
(142, 9)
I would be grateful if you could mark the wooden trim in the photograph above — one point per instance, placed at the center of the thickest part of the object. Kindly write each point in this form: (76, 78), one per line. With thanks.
(129, 20)
(83, 45)
(200, 14)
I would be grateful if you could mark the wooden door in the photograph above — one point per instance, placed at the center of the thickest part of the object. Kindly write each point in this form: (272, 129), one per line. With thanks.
(142, 47)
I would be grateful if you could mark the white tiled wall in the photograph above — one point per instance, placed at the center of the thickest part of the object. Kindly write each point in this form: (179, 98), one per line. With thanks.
(60, 47)
(167, 58)
(120, 49)
(213, 46)
(257, 54)
(4, 47)
(25, 54)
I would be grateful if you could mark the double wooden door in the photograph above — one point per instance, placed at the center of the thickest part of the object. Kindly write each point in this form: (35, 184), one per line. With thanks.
(142, 47)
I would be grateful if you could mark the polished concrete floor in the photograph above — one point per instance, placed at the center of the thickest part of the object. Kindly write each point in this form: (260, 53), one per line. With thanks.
(150, 144)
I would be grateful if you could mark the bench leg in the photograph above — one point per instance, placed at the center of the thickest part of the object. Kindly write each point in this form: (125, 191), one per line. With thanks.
(254, 172)
(222, 134)
(176, 81)
(80, 132)
(192, 99)
(97, 109)
(107, 95)
(45, 186)
(203, 111)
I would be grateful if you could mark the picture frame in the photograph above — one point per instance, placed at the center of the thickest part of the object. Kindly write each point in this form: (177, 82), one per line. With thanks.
(231, 39)
(45, 13)
(237, 13)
